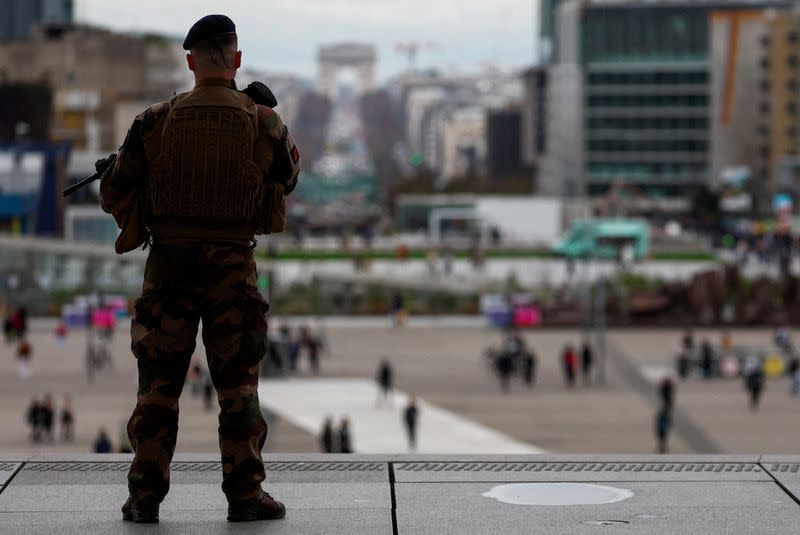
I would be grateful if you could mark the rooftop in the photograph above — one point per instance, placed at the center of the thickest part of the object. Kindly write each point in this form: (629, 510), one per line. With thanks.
(422, 494)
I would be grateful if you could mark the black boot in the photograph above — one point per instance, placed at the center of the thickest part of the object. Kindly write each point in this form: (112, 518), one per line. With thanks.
(265, 507)
(140, 512)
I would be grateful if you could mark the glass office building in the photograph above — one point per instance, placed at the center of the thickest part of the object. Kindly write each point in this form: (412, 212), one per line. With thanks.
(647, 93)
(646, 81)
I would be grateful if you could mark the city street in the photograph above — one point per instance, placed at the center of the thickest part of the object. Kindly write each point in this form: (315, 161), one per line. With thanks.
(443, 367)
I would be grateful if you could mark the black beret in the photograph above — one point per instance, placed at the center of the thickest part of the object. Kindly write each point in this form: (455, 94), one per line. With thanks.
(209, 27)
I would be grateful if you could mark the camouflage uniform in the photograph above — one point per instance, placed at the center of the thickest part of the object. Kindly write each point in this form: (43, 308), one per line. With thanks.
(184, 284)
(191, 275)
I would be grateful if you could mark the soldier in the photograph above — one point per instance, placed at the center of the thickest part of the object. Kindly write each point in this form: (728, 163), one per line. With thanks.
(196, 178)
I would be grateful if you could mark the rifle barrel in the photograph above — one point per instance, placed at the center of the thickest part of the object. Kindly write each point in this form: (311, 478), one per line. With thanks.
(75, 187)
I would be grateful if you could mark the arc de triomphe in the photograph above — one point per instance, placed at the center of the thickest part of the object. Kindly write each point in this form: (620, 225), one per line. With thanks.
(331, 58)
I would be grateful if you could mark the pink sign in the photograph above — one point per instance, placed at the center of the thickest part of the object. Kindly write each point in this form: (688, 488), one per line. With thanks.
(527, 316)
(103, 319)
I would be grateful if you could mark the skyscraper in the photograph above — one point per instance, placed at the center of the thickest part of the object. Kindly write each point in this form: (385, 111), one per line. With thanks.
(648, 81)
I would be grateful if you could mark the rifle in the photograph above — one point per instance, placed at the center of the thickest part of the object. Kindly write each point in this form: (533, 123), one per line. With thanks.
(257, 91)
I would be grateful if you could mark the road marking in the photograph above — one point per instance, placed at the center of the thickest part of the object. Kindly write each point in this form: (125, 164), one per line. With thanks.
(379, 429)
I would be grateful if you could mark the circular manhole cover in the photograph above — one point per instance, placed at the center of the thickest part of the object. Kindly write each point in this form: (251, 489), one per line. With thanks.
(550, 494)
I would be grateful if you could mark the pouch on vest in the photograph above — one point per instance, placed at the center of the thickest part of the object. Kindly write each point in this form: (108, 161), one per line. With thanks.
(287, 162)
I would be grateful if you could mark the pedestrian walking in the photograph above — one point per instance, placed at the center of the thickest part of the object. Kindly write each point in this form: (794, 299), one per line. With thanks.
(755, 386)
(587, 363)
(67, 420)
(684, 364)
(326, 439)
(61, 334)
(569, 361)
(706, 359)
(794, 376)
(529, 368)
(34, 418)
(345, 439)
(308, 340)
(504, 364)
(48, 417)
(410, 418)
(663, 425)
(666, 392)
(102, 444)
(24, 357)
(385, 380)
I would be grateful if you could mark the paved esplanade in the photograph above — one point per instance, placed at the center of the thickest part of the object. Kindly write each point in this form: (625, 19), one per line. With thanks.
(442, 364)
(377, 423)
(380, 495)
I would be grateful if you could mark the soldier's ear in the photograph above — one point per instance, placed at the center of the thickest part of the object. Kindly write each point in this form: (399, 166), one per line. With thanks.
(190, 62)
(238, 61)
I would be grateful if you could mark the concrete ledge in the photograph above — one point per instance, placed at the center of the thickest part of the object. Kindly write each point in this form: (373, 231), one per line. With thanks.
(410, 494)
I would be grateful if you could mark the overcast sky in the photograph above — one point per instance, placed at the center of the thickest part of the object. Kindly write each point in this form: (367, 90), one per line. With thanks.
(282, 35)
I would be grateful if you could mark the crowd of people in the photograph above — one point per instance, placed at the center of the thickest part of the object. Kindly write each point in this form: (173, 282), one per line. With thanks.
(515, 357)
(286, 349)
(725, 361)
(41, 418)
(748, 364)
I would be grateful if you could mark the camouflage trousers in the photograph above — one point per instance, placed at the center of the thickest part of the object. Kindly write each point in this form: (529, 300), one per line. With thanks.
(184, 284)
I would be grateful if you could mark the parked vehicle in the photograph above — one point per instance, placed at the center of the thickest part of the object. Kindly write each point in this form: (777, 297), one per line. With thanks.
(605, 239)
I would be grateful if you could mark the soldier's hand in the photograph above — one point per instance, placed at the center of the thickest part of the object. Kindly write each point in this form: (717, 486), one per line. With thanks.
(104, 163)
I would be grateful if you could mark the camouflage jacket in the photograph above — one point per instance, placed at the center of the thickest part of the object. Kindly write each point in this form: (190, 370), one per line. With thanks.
(122, 186)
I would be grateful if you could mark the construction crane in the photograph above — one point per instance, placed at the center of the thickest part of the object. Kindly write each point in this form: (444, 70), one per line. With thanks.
(411, 50)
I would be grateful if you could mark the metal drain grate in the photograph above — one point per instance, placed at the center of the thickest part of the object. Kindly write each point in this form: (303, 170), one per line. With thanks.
(786, 467)
(577, 467)
(326, 467)
(205, 467)
(196, 467)
(8, 467)
(76, 467)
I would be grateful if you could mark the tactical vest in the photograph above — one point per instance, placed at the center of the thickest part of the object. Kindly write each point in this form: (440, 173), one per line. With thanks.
(206, 168)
